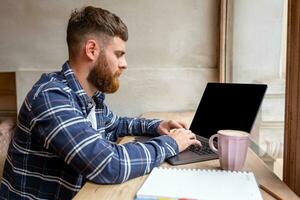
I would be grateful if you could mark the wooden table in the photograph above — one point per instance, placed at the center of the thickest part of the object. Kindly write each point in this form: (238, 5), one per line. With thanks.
(127, 190)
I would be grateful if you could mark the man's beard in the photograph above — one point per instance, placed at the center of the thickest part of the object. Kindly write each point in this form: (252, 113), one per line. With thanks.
(102, 77)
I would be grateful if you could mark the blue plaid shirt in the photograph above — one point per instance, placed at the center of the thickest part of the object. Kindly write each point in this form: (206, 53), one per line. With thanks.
(55, 149)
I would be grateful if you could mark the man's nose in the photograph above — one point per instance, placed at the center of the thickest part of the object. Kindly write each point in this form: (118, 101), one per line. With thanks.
(123, 64)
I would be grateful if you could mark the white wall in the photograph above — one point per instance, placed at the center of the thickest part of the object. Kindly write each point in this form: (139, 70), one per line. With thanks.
(171, 52)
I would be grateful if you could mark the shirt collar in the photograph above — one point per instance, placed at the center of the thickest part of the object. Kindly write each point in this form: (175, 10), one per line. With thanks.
(77, 88)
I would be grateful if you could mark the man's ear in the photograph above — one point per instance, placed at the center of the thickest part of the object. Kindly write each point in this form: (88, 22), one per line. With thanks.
(91, 49)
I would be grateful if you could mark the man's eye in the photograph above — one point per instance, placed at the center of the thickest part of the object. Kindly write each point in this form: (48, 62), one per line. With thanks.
(119, 54)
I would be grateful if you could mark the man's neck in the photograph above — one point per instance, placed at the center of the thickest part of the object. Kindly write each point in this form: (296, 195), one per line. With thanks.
(81, 74)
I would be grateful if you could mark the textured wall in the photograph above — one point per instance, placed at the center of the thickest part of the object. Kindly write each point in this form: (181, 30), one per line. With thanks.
(171, 52)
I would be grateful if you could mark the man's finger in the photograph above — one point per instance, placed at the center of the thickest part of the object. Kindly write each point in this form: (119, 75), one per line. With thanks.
(177, 124)
(183, 124)
(193, 136)
(196, 142)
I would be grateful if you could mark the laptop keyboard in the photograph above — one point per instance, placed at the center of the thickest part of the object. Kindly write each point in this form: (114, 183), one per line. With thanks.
(201, 150)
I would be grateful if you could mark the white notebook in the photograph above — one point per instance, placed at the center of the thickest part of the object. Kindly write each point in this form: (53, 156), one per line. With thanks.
(176, 183)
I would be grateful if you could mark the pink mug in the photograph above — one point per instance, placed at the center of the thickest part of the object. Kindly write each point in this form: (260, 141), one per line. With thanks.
(232, 148)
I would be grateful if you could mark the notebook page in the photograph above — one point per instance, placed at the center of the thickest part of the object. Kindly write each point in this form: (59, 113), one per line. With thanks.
(199, 184)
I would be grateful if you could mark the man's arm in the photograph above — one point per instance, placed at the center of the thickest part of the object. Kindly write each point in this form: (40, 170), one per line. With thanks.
(122, 126)
(62, 129)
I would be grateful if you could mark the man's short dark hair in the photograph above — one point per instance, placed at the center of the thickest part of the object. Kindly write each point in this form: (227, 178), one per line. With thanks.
(92, 20)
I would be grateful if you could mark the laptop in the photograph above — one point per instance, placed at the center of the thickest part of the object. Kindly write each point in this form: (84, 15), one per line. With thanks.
(222, 106)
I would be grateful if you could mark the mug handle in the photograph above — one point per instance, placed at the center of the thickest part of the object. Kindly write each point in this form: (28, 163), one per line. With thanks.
(211, 143)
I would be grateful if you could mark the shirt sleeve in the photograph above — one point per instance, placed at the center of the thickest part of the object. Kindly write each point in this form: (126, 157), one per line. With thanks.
(62, 129)
(122, 126)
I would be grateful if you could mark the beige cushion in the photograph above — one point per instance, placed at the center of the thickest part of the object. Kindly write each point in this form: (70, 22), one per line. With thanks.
(6, 131)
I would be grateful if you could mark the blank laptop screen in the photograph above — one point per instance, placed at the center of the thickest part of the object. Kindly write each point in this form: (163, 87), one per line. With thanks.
(227, 106)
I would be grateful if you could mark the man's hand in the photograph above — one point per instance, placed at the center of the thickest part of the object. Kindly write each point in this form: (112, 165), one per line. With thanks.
(184, 138)
(166, 125)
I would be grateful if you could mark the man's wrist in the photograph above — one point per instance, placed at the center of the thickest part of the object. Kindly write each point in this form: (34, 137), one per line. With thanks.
(170, 145)
(153, 129)
(172, 142)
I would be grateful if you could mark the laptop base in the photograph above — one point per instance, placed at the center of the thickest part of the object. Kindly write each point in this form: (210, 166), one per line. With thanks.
(187, 157)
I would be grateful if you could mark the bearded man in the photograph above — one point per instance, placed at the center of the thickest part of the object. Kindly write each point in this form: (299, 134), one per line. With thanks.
(65, 132)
